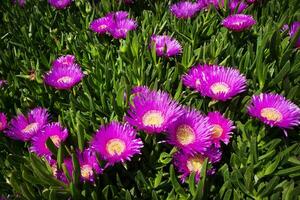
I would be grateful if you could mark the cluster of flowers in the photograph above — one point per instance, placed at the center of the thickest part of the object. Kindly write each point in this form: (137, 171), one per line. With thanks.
(188, 9)
(222, 83)
(195, 135)
(114, 142)
(117, 24)
(234, 22)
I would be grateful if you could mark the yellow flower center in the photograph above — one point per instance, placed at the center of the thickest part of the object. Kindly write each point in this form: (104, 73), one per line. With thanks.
(185, 134)
(194, 164)
(56, 140)
(86, 171)
(64, 79)
(220, 87)
(217, 131)
(102, 26)
(54, 169)
(153, 118)
(115, 147)
(271, 114)
(30, 127)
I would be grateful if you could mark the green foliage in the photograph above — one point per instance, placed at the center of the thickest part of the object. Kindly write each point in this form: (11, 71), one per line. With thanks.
(259, 163)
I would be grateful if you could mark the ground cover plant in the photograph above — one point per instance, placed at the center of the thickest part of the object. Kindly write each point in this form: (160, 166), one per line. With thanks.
(149, 99)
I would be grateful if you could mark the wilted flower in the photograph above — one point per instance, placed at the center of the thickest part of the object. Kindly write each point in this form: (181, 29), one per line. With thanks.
(3, 121)
(221, 83)
(116, 142)
(222, 128)
(24, 128)
(153, 112)
(190, 132)
(64, 78)
(185, 9)
(55, 132)
(274, 110)
(165, 45)
(60, 4)
(238, 22)
(186, 163)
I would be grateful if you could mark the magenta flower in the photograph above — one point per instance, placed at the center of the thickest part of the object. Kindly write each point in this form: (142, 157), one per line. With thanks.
(120, 28)
(24, 128)
(64, 61)
(55, 132)
(222, 128)
(221, 83)
(216, 3)
(2, 83)
(192, 78)
(187, 163)
(117, 24)
(116, 142)
(185, 9)
(57, 173)
(3, 121)
(128, 1)
(166, 46)
(190, 132)
(237, 6)
(119, 15)
(63, 78)
(140, 90)
(89, 166)
(238, 22)
(274, 110)
(101, 25)
(153, 112)
(21, 3)
(295, 26)
(60, 4)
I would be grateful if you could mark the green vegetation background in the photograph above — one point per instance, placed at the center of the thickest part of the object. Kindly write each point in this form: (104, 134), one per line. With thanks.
(259, 163)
